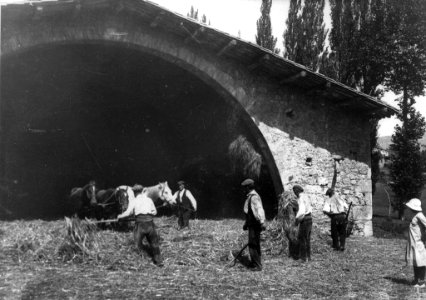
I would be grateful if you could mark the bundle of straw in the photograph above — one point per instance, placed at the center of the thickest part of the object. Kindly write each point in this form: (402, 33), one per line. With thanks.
(287, 208)
(81, 241)
(245, 161)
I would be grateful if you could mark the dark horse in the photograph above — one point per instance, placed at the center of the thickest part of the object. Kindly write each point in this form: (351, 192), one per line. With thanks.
(112, 202)
(83, 200)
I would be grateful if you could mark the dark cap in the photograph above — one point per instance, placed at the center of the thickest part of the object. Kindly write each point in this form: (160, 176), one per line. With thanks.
(329, 192)
(248, 182)
(297, 189)
(181, 182)
(137, 188)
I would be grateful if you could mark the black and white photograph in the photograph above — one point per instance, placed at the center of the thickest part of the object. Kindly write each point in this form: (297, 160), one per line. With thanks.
(200, 149)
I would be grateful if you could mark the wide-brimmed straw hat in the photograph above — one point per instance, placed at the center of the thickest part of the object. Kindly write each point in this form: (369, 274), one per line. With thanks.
(414, 204)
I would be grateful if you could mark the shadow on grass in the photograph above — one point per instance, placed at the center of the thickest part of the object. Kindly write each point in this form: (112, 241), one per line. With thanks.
(397, 280)
(243, 259)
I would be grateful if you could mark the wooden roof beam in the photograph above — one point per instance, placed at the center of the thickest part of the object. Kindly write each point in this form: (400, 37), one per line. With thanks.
(195, 35)
(227, 47)
(257, 63)
(293, 77)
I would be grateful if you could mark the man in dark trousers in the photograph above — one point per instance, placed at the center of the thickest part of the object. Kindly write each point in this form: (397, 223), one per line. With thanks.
(304, 218)
(336, 209)
(255, 222)
(186, 205)
(144, 209)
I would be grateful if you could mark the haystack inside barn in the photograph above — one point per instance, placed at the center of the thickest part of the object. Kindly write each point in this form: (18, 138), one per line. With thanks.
(127, 92)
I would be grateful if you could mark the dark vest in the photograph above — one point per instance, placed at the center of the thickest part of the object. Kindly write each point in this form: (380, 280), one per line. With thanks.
(184, 201)
(251, 220)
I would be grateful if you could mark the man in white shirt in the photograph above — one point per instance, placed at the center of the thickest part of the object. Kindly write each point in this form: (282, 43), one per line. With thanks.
(336, 209)
(304, 218)
(186, 205)
(255, 222)
(144, 209)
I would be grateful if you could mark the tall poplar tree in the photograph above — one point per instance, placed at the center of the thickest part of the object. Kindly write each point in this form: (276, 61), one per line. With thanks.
(360, 43)
(264, 35)
(407, 76)
(304, 38)
(193, 13)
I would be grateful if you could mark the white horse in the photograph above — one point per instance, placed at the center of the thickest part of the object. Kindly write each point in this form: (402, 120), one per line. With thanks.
(160, 191)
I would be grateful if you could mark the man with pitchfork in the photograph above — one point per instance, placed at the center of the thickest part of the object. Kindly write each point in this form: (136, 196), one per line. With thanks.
(144, 209)
(255, 222)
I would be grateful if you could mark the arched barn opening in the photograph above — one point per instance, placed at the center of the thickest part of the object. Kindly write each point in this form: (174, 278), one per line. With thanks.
(120, 115)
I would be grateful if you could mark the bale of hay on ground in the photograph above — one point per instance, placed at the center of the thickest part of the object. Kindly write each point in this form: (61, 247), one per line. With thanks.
(82, 240)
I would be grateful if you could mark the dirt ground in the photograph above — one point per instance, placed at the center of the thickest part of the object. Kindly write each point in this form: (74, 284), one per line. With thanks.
(196, 261)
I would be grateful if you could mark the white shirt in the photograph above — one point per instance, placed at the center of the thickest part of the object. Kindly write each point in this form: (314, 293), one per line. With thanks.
(256, 206)
(335, 205)
(142, 204)
(305, 206)
(179, 195)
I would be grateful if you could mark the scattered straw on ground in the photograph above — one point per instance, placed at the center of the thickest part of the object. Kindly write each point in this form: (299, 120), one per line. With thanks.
(106, 264)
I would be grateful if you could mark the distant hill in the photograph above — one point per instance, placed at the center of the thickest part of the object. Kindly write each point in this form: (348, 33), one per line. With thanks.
(385, 141)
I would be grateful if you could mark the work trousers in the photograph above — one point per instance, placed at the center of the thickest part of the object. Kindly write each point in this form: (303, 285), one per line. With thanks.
(338, 231)
(147, 229)
(304, 238)
(183, 217)
(419, 274)
(254, 246)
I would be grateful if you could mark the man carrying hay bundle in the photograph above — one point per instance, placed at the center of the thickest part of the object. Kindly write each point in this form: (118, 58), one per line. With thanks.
(304, 218)
(336, 208)
(287, 211)
(255, 223)
(144, 209)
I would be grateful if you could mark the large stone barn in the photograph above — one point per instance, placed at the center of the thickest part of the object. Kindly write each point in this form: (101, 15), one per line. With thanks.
(127, 92)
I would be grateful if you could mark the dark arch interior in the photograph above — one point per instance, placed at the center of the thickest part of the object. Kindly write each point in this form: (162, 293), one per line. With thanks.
(72, 113)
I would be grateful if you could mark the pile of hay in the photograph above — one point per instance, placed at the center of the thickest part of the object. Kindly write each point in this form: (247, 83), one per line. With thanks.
(82, 240)
(286, 221)
(245, 161)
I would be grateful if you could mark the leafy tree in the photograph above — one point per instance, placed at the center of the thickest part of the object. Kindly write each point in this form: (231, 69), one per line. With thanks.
(406, 171)
(423, 159)
(407, 76)
(360, 43)
(291, 33)
(264, 35)
(193, 13)
(304, 38)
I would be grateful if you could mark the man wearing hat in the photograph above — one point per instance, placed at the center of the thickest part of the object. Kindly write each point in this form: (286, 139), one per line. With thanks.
(336, 208)
(304, 218)
(416, 252)
(186, 205)
(255, 222)
(144, 209)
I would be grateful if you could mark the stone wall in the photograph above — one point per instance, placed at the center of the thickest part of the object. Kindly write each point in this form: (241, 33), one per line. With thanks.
(310, 139)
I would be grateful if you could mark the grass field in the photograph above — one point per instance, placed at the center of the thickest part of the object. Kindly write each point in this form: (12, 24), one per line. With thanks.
(32, 265)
